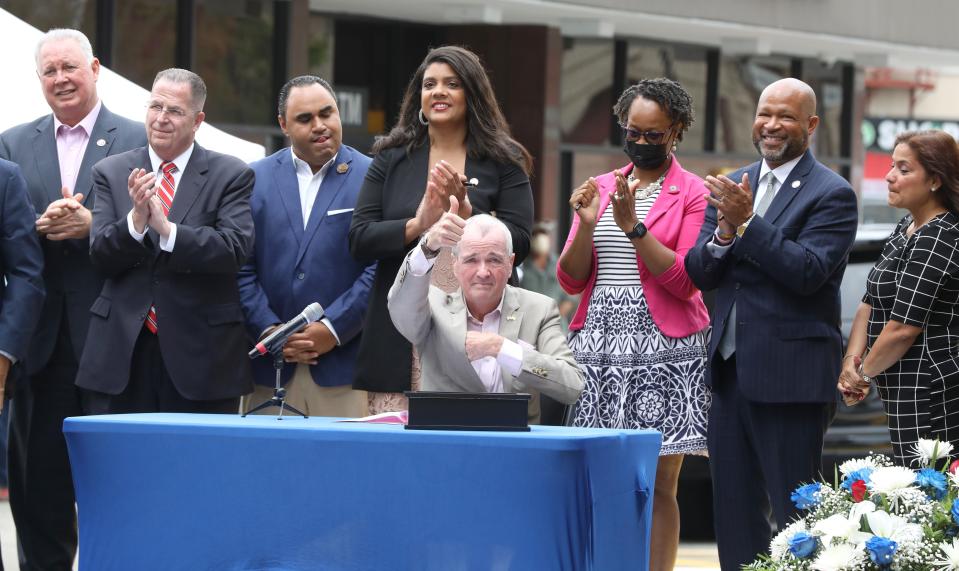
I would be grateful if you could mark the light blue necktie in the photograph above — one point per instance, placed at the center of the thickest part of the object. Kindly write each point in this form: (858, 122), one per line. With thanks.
(727, 343)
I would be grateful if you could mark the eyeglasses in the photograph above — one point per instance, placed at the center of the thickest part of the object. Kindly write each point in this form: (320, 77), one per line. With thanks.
(172, 112)
(652, 137)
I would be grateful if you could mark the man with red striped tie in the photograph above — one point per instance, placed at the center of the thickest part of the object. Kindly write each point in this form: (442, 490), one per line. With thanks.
(171, 228)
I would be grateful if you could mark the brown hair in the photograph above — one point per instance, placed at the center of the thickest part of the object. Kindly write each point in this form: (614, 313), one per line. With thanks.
(487, 132)
(938, 153)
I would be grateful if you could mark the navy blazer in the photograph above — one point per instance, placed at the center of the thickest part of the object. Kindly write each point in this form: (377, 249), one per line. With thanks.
(291, 267)
(21, 264)
(783, 275)
(72, 284)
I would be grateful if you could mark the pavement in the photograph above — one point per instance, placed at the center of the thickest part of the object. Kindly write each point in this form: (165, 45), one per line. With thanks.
(692, 556)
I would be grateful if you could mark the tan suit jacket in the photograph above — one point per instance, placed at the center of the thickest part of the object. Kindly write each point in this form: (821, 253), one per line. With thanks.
(435, 322)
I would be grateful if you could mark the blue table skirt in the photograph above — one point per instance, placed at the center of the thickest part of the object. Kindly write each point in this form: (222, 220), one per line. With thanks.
(198, 492)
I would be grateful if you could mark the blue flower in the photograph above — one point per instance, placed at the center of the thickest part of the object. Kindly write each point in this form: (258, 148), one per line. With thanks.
(860, 474)
(802, 545)
(955, 511)
(881, 550)
(933, 482)
(806, 496)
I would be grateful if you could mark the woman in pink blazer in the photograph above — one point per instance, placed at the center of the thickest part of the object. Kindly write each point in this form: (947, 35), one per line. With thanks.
(641, 330)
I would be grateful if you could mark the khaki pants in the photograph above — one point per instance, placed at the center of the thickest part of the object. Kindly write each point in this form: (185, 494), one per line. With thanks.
(312, 399)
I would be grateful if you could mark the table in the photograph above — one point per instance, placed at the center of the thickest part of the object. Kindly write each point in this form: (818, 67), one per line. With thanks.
(204, 492)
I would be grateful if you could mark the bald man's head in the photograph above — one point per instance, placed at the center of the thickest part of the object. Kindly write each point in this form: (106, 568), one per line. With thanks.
(785, 120)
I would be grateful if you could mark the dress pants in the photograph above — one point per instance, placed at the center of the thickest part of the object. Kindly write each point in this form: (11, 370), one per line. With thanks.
(150, 388)
(310, 398)
(41, 484)
(759, 453)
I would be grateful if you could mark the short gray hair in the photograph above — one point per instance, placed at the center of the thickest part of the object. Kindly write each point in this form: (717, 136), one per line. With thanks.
(197, 86)
(485, 224)
(57, 34)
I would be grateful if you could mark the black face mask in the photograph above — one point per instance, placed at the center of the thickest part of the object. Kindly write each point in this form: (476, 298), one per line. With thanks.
(646, 157)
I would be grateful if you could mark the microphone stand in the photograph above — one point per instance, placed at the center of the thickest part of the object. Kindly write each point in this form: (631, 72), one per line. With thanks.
(279, 393)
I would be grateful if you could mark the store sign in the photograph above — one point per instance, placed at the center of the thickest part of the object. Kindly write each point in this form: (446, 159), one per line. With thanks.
(353, 103)
(879, 133)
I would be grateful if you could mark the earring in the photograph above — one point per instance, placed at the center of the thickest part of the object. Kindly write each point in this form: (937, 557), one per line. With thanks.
(933, 189)
(423, 119)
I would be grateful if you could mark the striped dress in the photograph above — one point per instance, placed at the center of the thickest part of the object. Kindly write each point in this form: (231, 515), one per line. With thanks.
(636, 377)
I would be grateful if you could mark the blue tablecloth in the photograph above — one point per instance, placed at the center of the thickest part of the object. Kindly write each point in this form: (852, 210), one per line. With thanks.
(204, 492)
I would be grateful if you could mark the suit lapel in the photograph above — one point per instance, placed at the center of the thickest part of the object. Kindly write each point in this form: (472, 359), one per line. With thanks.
(509, 324)
(464, 369)
(790, 187)
(329, 189)
(48, 159)
(103, 130)
(288, 187)
(190, 185)
(668, 196)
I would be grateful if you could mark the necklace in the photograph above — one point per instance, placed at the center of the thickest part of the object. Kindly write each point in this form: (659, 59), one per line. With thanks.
(651, 189)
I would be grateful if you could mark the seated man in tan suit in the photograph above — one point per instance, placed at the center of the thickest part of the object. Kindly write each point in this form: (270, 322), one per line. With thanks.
(487, 336)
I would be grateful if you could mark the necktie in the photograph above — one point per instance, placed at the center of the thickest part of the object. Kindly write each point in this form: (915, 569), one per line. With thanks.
(165, 194)
(727, 343)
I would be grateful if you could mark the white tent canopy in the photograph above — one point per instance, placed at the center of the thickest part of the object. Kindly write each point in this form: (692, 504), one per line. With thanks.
(22, 99)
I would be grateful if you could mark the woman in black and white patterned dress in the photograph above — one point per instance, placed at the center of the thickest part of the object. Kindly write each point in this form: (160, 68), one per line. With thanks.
(640, 333)
(906, 332)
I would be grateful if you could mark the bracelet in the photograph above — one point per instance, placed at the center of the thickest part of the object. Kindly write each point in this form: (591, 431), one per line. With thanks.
(725, 237)
(864, 376)
(849, 357)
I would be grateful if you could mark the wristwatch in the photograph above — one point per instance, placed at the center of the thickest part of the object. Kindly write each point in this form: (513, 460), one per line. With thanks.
(864, 376)
(638, 231)
(427, 251)
(741, 229)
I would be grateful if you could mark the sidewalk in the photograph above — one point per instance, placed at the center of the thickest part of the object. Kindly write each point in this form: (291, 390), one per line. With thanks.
(697, 556)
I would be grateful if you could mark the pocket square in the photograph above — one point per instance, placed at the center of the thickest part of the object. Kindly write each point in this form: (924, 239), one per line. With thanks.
(340, 211)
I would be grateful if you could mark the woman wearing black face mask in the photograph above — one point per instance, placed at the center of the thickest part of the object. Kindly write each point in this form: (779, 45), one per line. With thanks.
(640, 332)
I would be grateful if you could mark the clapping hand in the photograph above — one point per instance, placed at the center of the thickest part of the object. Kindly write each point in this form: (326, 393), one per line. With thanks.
(585, 201)
(733, 201)
(624, 203)
(141, 187)
(65, 218)
(451, 183)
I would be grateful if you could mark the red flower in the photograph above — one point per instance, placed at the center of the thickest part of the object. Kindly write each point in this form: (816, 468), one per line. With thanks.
(954, 466)
(858, 490)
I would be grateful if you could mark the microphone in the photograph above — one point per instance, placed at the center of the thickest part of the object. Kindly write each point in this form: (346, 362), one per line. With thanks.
(277, 338)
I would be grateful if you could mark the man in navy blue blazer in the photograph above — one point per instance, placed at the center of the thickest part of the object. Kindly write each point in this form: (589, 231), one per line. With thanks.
(302, 205)
(775, 263)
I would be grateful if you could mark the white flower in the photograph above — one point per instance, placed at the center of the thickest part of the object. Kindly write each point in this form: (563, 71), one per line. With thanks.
(954, 478)
(840, 557)
(854, 464)
(860, 509)
(931, 450)
(891, 478)
(894, 527)
(779, 546)
(951, 561)
(839, 526)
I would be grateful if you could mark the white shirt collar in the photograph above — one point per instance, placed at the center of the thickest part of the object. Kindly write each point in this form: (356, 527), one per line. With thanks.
(87, 122)
(781, 172)
(303, 167)
(180, 161)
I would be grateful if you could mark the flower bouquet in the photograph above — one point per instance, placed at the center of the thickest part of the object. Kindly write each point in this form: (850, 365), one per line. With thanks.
(876, 516)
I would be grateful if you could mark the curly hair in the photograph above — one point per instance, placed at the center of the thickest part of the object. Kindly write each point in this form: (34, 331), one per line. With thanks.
(938, 154)
(487, 132)
(671, 97)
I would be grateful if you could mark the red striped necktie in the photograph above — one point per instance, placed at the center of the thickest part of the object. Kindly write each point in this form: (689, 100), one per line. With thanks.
(165, 193)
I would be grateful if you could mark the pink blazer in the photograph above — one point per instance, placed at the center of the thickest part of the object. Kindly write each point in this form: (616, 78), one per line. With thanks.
(674, 219)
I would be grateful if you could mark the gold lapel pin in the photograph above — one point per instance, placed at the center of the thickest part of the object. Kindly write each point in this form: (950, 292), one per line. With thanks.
(342, 168)
(795, 184)
(101, 142)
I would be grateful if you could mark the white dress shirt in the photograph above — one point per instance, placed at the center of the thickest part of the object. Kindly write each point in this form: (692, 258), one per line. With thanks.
(510, 356)
(309, 183)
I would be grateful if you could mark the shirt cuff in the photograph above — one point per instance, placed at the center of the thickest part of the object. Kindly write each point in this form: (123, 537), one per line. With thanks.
(418, 263)
(329, 325)
(138, 236)
(166, 244)
(715, 248)
(13, 360)
(510, 357)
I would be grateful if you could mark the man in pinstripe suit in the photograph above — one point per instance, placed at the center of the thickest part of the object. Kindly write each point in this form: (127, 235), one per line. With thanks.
(776, 263)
